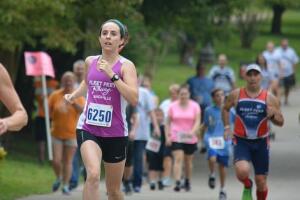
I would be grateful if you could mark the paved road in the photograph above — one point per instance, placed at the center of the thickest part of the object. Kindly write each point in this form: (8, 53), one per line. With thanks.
(284, 179)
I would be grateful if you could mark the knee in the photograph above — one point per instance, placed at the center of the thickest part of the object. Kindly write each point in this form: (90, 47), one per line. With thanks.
(93, 177)
(242, 173)
(56, 161)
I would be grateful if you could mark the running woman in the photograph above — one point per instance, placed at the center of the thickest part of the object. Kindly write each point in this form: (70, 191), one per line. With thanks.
(110, 83)
(255, 107)
(10, 98)
(181, 130)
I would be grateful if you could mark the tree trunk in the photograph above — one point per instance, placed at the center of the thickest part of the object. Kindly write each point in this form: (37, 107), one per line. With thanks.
(277, 18)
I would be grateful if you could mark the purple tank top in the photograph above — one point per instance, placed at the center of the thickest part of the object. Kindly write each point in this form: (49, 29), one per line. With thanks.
(105, 109)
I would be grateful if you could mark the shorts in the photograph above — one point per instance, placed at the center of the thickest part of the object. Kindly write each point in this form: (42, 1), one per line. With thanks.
(129, 154)
(167, 151)
(255, 151)
(221, 159)
(155, 160)
(113, 148)
(188, 149)
(64, 142)
(40, 129)
(289, 81)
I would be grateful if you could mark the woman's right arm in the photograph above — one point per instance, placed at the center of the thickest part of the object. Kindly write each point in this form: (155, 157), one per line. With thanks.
(82, 89)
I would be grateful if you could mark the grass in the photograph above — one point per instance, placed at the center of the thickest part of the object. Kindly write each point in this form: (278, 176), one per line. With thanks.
(20, 175)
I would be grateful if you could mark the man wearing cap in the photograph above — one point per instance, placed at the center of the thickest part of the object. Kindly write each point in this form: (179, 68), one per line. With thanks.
(255, 107)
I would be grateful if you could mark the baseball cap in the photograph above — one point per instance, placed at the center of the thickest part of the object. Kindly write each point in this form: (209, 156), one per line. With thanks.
(253, 67)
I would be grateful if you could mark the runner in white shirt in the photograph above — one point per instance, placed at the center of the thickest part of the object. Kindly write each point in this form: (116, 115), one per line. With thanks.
(288, 60)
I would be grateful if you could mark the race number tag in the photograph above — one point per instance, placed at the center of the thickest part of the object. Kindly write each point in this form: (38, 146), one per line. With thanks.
(153, 144)
(185, 137)
(99, 114)
(216, 142)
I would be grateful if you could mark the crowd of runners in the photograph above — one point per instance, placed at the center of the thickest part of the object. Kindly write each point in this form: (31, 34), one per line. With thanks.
(144, 142)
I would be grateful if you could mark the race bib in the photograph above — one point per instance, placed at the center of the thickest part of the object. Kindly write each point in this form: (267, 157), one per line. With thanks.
(153, 144)
(216, 142)
(185, 137)
(99, 114)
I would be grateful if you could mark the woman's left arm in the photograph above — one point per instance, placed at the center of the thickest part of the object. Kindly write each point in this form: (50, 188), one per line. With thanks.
(196, 126)
(9, 97)
(128, 87)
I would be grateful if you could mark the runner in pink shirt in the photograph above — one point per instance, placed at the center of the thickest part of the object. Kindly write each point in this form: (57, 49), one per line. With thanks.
(181, 133)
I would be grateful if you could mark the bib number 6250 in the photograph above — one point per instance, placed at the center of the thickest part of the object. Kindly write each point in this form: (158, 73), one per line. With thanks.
(99, 115)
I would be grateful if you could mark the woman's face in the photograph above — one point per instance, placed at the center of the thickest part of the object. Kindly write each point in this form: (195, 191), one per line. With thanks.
(110, 37)
(184, 94)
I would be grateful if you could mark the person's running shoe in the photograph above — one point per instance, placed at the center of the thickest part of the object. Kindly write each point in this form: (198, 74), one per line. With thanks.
(137, 189)
(65, 190)
(152, 186)
(247, 193)
(72, 185)
(55, 185)
(222, 195)
(211, 182)
(187, 186)
(177, 186)
(160, 185)
(127, 188)
(167, 182)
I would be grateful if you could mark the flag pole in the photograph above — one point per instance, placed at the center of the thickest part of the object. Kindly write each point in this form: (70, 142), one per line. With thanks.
(45, 99)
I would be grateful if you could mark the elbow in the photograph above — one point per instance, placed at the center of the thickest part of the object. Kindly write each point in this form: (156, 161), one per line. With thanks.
(23, 121)
(281, 123)
(135, 100)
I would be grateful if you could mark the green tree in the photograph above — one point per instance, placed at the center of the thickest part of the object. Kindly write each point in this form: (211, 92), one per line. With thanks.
(193, 20)
(278, 8)
(27, 21)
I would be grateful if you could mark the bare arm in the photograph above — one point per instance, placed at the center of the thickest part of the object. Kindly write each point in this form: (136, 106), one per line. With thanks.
(155, 123)
(273, 110)
(229, 102)
(82, 89)
(203, 128)
(196, 126)
(167, 131)
(134, 125)
(10, 99)
(128, 87)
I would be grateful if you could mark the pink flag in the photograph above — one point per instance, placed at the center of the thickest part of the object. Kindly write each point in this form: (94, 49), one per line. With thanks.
(38, 63)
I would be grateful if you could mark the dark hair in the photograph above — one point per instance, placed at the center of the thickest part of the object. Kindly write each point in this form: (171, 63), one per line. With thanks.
(214, 91)
(257, 61)
(123, 30)
(184, 86)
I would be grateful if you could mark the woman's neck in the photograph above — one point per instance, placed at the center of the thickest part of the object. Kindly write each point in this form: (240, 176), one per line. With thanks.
(183, 103)
(110, 57)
